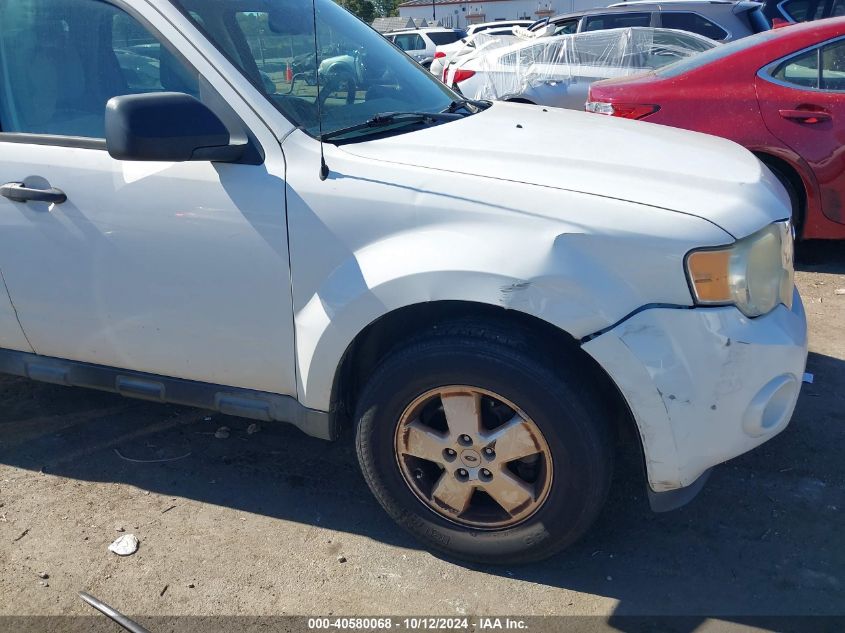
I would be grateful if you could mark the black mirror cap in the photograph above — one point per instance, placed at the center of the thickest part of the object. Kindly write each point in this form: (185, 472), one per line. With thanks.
(167, 126)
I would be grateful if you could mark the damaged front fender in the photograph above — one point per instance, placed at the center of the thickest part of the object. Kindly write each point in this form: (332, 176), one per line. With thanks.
(705, 384)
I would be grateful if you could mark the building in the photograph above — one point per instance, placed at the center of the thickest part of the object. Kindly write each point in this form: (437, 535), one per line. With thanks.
(386, 25)
(459, 14)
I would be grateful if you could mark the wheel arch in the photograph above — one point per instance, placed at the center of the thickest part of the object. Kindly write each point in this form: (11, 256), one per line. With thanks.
(780, 164)
(404, 324)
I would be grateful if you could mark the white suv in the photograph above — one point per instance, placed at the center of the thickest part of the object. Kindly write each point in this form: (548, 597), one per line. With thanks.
(174, 229)
(420, 44)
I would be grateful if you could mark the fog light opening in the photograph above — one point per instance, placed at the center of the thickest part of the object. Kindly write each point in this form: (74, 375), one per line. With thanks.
(771, 408)
(778, 407)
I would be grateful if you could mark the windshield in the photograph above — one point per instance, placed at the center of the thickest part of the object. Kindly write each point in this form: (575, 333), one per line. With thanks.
(360, 73)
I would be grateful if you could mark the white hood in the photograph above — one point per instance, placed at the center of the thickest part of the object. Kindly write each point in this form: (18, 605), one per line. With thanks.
(655, 165)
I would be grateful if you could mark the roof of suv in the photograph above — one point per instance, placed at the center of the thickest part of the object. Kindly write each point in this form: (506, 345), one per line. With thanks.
(624, 7)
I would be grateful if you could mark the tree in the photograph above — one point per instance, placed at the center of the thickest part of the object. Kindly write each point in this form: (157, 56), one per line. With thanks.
(367, 10)
(359, 8)
(387, 8)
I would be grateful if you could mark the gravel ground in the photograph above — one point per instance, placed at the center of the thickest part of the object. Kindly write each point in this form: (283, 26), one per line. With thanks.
(277, 523)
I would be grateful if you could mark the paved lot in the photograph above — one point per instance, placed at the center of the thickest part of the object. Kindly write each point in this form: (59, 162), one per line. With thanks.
(258, 524)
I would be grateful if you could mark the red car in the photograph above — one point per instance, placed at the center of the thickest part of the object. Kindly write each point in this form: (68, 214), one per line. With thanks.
(780, 93)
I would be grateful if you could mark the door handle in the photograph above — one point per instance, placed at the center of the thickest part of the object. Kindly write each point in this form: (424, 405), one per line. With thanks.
(19, 193)
(805, 116)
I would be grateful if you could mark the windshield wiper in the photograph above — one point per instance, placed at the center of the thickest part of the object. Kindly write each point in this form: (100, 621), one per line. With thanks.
(384, 119)
(463, 103)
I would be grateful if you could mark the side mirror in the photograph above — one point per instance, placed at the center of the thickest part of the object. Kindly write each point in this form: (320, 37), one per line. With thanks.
(168, 126)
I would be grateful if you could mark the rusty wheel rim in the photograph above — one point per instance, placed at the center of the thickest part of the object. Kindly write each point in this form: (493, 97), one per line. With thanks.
(473, 457)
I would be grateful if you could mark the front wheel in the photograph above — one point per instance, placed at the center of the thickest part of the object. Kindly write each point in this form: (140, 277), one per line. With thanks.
(483, 450)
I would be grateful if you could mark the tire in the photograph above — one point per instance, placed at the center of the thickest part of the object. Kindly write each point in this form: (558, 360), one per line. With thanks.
(559, 402)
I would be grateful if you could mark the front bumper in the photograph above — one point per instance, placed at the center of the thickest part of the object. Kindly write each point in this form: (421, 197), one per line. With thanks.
(704, 384)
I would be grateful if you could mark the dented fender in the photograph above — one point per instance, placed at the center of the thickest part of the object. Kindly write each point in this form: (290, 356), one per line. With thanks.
(375, 237)
(704, 384)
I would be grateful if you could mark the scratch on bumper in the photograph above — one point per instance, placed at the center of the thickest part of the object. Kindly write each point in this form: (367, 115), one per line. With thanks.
(704, 385)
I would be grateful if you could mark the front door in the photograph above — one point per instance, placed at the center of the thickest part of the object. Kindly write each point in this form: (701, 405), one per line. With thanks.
(177, 269)
(802, 100)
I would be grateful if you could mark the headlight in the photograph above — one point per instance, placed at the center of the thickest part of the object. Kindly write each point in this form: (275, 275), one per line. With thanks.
(755, 274)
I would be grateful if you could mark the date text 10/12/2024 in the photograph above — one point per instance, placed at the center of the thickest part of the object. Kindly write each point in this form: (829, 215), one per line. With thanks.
(416, 624)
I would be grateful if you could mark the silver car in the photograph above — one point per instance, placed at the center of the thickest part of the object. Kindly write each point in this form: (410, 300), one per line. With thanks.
(557, 71)
(720, 20)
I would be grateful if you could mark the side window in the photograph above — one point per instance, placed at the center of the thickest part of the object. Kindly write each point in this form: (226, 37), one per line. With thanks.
(833, 66)
(693, 23)
(837, 9)
(62, 60)
(821, 68)
(567, 27)
(616, 21)
(803, 10)
(802, 70)
(410, 42)
(403, 42)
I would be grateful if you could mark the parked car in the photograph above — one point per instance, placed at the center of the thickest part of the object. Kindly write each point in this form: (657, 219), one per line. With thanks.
(803, 10)
(297, 258)
(780, 94)
(452, 53)
(443, 53)
(496, 25)
(557, 71)
(420, 44)
(720, 20)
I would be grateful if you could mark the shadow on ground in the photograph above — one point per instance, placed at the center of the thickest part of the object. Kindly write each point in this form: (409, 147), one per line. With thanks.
(821, 256)
(766, 536)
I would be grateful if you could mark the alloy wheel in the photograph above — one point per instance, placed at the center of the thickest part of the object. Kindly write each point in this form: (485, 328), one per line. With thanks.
(473, 457)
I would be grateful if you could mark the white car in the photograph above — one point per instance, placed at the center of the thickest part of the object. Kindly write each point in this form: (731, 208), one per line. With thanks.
(294, 258)
(444, 53)
(456, 52)
(420, 44)
(496, 25)
(558, 71)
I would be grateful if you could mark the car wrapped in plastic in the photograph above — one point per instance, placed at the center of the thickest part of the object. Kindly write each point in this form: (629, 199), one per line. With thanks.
(557, 71)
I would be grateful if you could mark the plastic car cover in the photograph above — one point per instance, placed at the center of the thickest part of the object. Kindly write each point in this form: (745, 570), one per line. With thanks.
(526, 34)
(483, 43)
(509, 69)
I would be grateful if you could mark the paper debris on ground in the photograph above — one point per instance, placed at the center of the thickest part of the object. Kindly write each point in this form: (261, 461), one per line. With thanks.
(125, 545)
